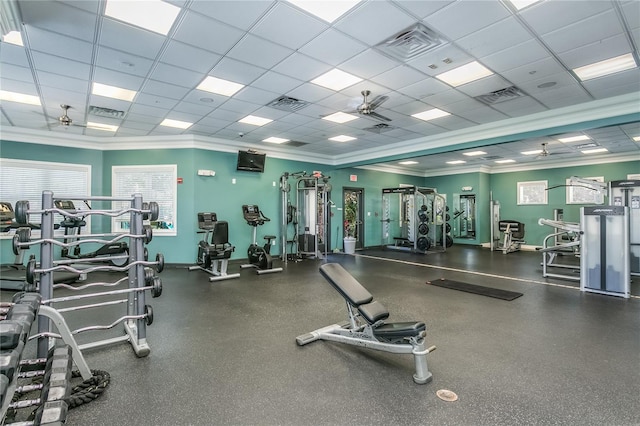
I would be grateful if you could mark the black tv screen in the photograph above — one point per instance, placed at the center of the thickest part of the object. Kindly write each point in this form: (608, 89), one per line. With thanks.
(250, 161)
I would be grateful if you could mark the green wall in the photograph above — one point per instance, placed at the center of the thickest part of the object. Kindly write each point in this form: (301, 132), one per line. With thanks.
(221, 195)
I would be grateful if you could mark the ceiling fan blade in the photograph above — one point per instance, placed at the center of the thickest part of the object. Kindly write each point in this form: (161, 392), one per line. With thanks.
(378, 116)
(377, 101)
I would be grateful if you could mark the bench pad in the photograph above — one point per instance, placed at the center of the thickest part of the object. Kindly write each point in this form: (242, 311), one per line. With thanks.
(399, 329)
(345, 284)
(373, 312)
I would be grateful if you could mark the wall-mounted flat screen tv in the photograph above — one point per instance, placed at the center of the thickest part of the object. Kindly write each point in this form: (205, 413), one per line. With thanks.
(251, 161)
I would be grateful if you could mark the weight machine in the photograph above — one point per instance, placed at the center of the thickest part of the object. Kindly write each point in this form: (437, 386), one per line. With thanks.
(415, 219)
(140, 275)
(506, 235)
(627, 193)
(306, 211)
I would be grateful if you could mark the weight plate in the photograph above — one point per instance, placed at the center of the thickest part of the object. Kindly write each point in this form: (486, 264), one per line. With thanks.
(422, 216)
(24, 234)
(448, 241)
(145, 213)
(22, 212)
(16, 245)
(447, 217)
(149, 275)
(423, 244)
(155, 211)
(31, 271)
(446, 208)
(148, 233)
(423, 207)
(423, 229)
(156, 291)
(148, 312)
(447, 228)
(159, 262)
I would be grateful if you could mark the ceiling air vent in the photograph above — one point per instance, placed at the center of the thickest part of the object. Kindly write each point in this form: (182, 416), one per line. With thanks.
(501, 95)
(411, 43)
(295, 143)
(491, 157)
(286, 103)
(105, 112)
(379, 128)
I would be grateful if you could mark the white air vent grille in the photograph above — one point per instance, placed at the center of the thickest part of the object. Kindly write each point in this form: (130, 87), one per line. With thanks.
(105, 112)
(285, 103)
(501, 95)
(379, 128)
(411, 43)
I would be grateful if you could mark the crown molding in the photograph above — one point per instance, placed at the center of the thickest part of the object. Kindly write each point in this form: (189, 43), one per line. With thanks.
(612, 107)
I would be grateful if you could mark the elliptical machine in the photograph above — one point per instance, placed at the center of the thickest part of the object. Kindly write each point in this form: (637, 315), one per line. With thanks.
(259, 257)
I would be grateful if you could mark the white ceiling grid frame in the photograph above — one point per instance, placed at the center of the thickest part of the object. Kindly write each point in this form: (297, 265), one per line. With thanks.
(341, 48)
(258, 51)
(475, 15)
(189, 31)
(229, 13)
(300, 28)
(184, 55)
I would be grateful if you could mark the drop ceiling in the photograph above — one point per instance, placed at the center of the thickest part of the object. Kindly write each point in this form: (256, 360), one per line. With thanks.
(276, 49)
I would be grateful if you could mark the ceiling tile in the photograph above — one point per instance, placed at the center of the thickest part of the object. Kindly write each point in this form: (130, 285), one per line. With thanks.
(257, 51)
(123, 62)
(596, 52)
(194, 29)
(133, 40)
(342, 47)
(297, 30)
(236, 71)
(276, 82)
(227, 11)
(547, 16)
(495, 37)
(421, 8)
(59, 45)
(462, 18)
(590, 30)
(159, 88)
(186, 56)
(177, 76)
(60, 18)
(301, 67)
(62, 82)
(364, 23)
(58, 65)
(117, 79)
(368, 64)
(516, 56)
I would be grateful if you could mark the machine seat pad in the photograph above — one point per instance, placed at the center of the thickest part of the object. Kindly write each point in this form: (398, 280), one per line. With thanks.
(345, 284)
(373, 312)
(394, 330)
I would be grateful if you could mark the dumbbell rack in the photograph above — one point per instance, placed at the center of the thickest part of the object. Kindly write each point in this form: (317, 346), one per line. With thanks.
(140, 278)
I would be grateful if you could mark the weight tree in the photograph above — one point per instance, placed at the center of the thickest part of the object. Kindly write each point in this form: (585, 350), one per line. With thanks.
(140, 275)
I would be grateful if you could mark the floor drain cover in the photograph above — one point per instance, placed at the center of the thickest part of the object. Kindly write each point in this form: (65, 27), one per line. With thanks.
(447, 395)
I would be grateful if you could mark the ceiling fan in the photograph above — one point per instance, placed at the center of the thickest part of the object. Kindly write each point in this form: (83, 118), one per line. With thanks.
(545, 152)
(64, 120)
(367, 107)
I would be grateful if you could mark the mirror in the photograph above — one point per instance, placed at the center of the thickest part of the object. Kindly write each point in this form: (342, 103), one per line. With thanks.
(464, 216)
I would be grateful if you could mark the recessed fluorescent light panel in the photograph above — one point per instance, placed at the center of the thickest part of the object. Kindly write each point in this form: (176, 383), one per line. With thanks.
(176, 123)
(13, 37)
(534, 152)
(336, 80)
(113, 92)
(431, 114)
(407, 163)
(19, 97)
(275, 140)
(606, 67)
(521, 4)
(574, 138)
(474, 153)
(505, 161)
(637, 138)
(456, 162)
(256, 121)
(340, 117)
(325, 10)
(464, 74)
(594, 151)
(219, 86)
(153, 15)
(102, 126)
(342, 138)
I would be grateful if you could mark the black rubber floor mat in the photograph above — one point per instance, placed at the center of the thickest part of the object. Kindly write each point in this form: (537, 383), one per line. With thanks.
(476, 289)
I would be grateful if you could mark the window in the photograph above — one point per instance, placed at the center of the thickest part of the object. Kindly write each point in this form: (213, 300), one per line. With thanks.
(583, 193)
(156, 183)
(532, 192)
(26, 180)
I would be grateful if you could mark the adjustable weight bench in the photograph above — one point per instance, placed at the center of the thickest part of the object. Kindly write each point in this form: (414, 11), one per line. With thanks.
(367, 327)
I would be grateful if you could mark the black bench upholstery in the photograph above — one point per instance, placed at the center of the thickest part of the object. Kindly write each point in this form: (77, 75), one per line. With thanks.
(516, 228)
(372, 311)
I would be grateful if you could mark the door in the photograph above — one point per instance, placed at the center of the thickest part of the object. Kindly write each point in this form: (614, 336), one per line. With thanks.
(353, 214)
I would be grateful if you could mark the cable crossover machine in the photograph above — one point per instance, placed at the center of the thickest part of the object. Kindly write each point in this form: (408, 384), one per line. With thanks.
(306, 211)
(140, 272)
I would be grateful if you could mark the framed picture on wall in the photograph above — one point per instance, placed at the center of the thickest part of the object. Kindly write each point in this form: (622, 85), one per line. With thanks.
(532, 192)
(585, 194)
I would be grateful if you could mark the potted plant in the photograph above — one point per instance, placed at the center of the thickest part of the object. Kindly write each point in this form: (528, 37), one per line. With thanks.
(350, 220)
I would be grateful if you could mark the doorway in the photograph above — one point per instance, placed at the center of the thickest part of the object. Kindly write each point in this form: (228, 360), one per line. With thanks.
(353, 214)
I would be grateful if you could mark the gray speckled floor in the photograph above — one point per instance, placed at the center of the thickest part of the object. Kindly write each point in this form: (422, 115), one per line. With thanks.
(224, 353)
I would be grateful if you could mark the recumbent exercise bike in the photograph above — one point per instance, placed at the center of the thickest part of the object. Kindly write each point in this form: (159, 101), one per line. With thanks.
(259, 257)
(214, 250)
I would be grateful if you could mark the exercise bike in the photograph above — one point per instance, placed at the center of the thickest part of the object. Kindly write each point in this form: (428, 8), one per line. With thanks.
(214, 250)
(259, 257)
(116, 253)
